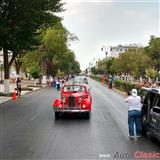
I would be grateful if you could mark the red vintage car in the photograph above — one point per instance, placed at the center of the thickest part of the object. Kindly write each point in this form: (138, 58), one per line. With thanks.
(75, 98)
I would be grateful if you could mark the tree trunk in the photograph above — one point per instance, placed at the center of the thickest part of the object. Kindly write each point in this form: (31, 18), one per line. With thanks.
(17, 66)
(6, 64)
(6, 71)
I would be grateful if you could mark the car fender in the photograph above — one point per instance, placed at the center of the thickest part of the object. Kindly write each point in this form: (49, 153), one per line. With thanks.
(57, 103)
(86, 102)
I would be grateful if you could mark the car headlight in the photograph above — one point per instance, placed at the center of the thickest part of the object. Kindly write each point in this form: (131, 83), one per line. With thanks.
(83, 106)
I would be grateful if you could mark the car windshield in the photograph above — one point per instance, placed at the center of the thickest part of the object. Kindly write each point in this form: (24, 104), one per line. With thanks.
(73, 88)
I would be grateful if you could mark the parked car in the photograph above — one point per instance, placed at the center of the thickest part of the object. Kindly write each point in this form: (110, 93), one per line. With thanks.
(151, 112)
(75, 98)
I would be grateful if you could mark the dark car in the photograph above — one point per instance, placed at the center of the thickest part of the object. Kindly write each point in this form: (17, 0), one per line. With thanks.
(151, 112)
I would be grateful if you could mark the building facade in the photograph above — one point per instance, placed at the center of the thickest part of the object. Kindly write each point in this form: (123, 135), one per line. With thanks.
(115, 51)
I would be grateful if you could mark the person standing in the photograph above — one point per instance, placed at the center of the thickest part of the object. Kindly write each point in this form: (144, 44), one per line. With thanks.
(134, 113)
(18, 84)
(111, 81)
(54, 83)
(58, 84)
(51, 81)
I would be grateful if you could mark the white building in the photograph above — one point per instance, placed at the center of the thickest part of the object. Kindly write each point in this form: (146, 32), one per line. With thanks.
(115, 51)
(93, 63)
(12, 69)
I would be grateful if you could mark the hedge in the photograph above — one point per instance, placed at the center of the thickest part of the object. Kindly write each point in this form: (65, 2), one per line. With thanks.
(6, 95)
(99, 79)
(125, 85)
(121, 85)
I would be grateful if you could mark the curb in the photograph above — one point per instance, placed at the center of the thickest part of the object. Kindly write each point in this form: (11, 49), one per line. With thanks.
(24, 94)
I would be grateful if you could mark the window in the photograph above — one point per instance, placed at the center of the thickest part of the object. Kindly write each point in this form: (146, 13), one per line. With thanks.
(74, 89)
(152, 98)
(158, 103)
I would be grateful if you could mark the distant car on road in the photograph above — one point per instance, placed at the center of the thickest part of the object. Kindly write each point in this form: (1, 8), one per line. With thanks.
(151, 112)
(81, 80)
(75, 98)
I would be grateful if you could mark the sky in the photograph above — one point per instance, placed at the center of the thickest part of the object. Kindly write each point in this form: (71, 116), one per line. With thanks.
(109, 22)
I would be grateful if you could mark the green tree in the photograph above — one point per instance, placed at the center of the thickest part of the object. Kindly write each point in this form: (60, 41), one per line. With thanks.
(153, 51)
(20, 21)
(55, 51)
(102, 66)
(31, 64)
(109, 63)
(125, 63)
(150, 72)
(94, 70)
(143, 62)
(133, 62)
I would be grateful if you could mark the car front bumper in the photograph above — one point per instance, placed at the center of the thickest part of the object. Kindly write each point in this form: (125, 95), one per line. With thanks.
(72, 111)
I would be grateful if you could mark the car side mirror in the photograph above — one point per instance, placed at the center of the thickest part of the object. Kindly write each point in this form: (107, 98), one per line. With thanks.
(156, 109)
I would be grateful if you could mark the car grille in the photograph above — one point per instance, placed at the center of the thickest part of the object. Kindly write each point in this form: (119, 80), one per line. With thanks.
(71, 101)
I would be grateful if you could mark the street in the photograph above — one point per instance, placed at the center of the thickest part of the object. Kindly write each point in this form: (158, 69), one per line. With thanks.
(28, 129)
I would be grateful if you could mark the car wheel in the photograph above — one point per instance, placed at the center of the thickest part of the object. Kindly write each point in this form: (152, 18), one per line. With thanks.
(88, 115)
(144, 123)
(57, 115)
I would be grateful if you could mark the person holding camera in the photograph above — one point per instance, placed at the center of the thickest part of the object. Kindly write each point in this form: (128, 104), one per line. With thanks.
(134, 113)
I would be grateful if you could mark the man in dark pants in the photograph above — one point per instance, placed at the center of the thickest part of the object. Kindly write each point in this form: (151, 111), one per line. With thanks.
(134, 113)
(18, 83)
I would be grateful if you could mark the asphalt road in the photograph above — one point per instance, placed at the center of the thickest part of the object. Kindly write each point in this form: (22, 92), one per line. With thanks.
(28, 130)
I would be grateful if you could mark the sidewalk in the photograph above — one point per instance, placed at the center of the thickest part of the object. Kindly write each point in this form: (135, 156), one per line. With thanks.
(12, 86)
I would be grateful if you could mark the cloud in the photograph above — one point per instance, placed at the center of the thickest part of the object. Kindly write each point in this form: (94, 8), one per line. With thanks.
(98, 24)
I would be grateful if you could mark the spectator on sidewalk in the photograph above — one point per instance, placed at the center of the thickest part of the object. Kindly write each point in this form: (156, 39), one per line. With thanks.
(58, 84)
(134, 113)
(54, 83)
(18, 84)
(111, 78)
(51, 81)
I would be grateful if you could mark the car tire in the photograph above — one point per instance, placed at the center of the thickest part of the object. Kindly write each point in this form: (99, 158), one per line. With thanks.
(88, 115)
(57, 115)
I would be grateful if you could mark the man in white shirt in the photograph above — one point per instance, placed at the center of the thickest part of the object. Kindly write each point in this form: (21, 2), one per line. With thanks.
(134, 113)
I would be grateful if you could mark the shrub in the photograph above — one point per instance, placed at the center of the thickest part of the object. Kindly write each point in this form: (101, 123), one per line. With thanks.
(96, 78)
(27, 89)
(125, 86)
(6, 95)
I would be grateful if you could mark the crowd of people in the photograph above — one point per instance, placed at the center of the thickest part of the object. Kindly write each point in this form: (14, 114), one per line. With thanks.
(151, 84)
(58, 82)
